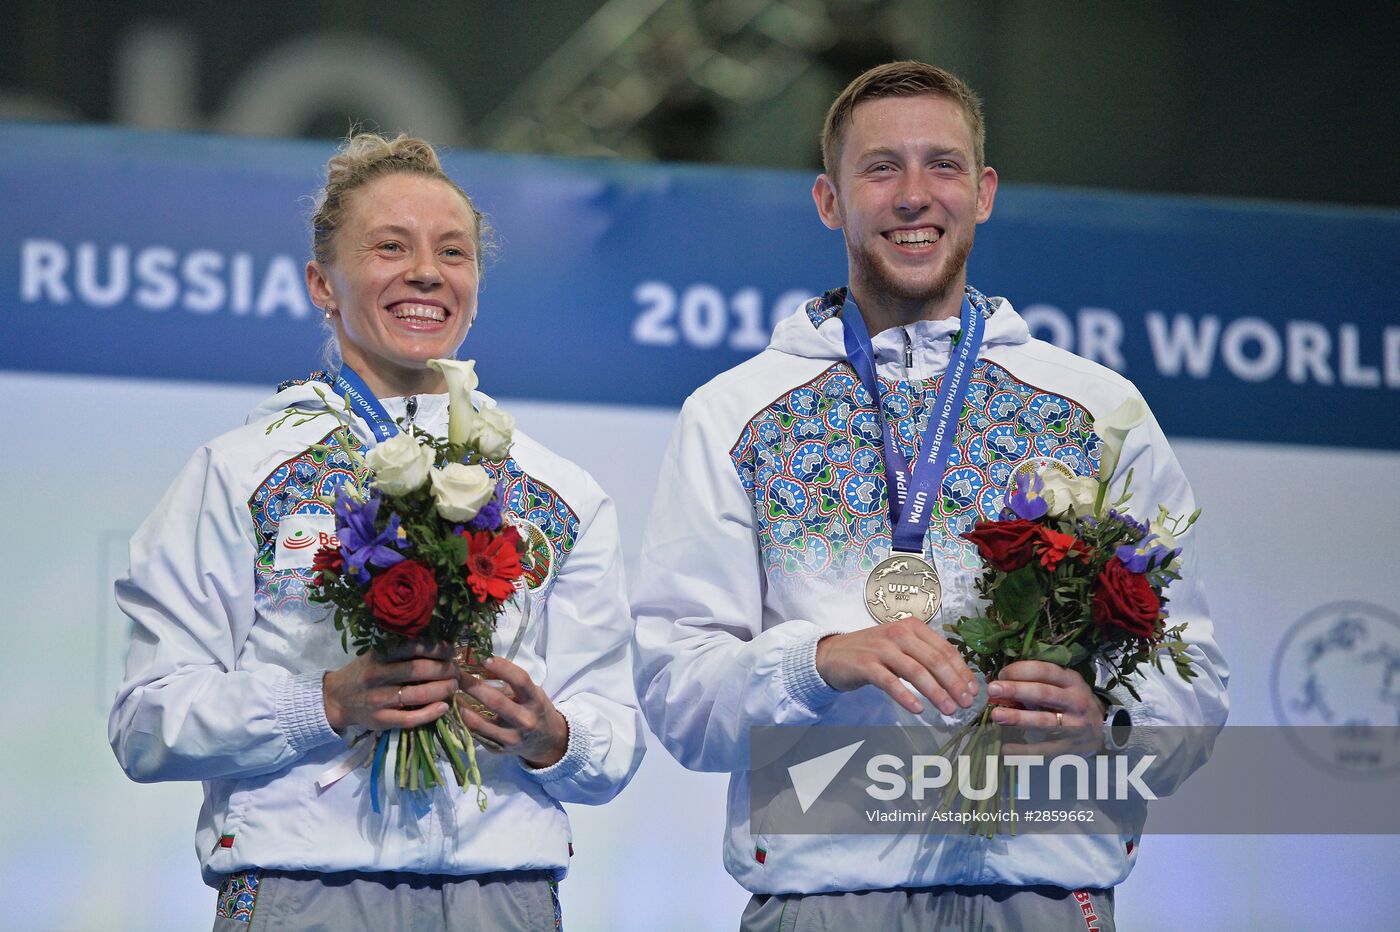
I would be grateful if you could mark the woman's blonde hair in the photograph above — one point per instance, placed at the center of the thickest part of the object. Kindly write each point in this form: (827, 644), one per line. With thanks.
(367, 156)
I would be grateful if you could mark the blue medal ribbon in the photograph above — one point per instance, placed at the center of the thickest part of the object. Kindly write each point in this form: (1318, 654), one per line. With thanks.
(910, 525)
(363, 402)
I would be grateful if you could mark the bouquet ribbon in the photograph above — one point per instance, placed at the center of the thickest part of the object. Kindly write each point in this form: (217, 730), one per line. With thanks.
(909, 526)
(357, 757)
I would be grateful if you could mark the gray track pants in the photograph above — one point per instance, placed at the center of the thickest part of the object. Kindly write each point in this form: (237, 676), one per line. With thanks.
(512, 901)
(984, 909)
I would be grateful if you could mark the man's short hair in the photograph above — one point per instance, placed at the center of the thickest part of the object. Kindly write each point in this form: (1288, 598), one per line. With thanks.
(900, 79)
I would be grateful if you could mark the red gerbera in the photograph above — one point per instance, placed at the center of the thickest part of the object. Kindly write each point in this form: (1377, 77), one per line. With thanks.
(493, 563)
(1056, 546)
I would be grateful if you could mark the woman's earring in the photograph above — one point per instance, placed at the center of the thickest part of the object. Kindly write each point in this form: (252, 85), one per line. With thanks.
(330, 311)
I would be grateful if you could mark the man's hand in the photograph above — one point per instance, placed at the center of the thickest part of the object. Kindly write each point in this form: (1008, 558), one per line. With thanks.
(1044, 689)
(523, 721)
(408, 688)
(907, 649)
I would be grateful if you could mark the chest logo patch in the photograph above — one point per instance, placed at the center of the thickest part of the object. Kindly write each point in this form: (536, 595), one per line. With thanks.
(299, 536)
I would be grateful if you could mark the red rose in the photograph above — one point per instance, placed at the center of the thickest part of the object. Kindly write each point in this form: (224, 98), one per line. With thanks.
(402, 598)
(327, 561)
(1124, 599)
(493, 563)
(1006, 545)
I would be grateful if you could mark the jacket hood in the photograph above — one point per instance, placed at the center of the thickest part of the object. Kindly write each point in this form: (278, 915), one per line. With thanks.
(311, 394)
(816, 332)
(298, 394)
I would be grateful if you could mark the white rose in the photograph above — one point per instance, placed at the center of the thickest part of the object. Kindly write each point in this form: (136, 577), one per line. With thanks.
(461, 382)
(461, 490)
(492, 433)
(400, 464)
(1068, 497)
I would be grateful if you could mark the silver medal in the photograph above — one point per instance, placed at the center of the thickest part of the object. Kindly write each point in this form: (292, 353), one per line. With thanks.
(902, 586)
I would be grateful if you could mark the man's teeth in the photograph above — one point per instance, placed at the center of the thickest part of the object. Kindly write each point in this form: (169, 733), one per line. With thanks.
(419, 312)
(914, 237)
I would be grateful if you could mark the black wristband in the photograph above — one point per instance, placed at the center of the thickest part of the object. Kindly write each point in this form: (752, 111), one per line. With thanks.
(1117, 726)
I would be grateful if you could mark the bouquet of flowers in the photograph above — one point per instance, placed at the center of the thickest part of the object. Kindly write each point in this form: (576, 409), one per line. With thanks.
(423, 554)
(1071, 578)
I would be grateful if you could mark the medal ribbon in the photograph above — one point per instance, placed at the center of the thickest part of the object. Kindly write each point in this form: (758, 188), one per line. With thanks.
(363, 402)
(910, 525)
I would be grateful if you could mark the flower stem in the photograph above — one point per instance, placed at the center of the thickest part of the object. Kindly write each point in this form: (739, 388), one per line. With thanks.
(476, 775)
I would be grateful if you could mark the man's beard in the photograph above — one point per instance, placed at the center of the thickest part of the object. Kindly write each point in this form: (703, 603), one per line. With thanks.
(881, 287)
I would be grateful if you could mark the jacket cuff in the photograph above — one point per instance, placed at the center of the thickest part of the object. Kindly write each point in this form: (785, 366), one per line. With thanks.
(575, 755)
(800, 679)
(301, 712)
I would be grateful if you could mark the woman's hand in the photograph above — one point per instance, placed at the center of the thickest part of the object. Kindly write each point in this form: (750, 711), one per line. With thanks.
(523, 721)
(409, 687)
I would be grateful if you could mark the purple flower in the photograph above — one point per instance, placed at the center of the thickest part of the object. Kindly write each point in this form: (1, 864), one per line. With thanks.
(489, 517)
(361, 544)
(1143, 555)
(1128, 520)
(1026, 500)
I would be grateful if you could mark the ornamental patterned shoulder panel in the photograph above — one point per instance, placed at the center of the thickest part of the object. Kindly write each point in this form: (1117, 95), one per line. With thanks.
(298, 486)
(528, 498)
(813, 464)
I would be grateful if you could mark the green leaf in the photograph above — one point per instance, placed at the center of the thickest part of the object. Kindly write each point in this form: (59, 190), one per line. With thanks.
(982, 638)
(1019, 597)
(1050, 653)
(456, 549)
(978, 633)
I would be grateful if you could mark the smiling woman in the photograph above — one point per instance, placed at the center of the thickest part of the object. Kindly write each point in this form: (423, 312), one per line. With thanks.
(397, 261)
(236, 678)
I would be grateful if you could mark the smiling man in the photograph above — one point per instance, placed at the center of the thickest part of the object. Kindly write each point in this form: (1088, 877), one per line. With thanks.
(805, 548)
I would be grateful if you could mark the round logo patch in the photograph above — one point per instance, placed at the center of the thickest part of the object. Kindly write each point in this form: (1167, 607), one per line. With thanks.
(1034, 465)
(1339, 667)
(538, 559)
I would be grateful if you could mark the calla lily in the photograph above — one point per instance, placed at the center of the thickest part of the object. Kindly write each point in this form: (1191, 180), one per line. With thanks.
(1113, 430)
(461, 382)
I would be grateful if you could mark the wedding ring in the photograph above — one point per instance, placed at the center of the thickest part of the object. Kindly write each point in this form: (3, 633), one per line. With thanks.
(1059, 720)
(400, 697)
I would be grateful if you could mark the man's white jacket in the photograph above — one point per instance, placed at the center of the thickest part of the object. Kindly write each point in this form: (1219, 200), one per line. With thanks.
(770, 512)
(223, 679)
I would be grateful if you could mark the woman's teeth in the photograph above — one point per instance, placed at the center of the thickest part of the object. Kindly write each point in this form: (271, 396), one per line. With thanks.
(419, 312)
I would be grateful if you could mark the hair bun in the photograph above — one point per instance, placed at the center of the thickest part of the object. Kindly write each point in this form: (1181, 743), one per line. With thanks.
(362, 152)
(366, 156)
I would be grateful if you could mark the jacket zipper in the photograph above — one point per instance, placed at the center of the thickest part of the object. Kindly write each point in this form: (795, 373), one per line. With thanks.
(411, 408)
(908, 352)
